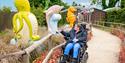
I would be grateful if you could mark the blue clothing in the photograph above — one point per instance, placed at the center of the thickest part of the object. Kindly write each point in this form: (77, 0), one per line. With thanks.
(81, 37)
(75, 47)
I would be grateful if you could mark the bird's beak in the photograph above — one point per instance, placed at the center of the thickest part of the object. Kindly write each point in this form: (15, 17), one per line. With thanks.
(63, 10)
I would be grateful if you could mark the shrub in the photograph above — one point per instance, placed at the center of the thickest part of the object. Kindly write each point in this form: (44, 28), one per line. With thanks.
(117, 16)
(39, 13)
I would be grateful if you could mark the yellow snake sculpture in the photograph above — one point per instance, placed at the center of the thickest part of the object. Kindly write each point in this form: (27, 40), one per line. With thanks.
(25, 24)
(71, 18)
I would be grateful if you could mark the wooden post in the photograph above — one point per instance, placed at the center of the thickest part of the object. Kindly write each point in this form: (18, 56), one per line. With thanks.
(26, 59)
(50, 43)
(103, 23)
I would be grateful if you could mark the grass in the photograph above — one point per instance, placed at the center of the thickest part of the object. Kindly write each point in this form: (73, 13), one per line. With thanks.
(2, 32)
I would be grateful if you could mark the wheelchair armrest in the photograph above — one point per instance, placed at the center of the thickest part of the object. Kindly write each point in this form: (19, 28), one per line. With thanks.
(84, 48)
(66, 38)
(63, 47)
(85, 44)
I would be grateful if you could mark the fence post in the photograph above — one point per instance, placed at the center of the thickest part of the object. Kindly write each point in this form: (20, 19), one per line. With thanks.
(26, 58)
(50, 44)
(103, 23)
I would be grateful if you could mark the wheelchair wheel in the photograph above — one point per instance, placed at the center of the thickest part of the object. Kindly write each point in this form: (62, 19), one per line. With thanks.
(60, 59)
(85, 57)
(79, 56)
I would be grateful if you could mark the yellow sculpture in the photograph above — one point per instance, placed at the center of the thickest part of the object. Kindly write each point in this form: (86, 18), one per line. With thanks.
(24, 22)
(71, 18)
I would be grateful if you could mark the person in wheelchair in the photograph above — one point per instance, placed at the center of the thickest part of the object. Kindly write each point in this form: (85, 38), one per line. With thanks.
(77, 39)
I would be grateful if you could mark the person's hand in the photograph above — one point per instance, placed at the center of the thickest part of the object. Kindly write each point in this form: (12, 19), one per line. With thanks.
(75, 40)
(60, 30)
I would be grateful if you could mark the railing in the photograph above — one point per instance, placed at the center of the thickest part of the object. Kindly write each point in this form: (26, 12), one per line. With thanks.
(109, 25)
(30, 53)
(117, 29)
(28, 50)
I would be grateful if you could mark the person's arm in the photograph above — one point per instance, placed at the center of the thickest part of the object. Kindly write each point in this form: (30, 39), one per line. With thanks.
(66, 36)
(83, 37)
(65, 33)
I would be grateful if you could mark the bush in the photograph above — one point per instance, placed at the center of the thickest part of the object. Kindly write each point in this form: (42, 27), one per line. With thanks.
(39, 13)
(5, 18)
(63, 20)
(38, 7)
(117, 16)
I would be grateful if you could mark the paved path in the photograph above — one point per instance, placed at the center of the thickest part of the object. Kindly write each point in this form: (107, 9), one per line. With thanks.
(103, 48)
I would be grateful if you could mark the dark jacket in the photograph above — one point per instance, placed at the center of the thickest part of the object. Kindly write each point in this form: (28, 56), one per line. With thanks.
(81, 35)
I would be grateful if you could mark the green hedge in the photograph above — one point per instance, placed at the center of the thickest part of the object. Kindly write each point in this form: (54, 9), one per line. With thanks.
(40, 15)
(5, 18)
(117, 16)
(38, 7)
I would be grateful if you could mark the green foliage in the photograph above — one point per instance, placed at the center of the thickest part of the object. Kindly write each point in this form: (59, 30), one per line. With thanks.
(74, 4)
(104, 4)
(5, 18)
(5, 10)
(39, 15)
(39, 6)
(111, 3)
(122, 3)
(45, 4)
(63, 20)
(2, 32)
(39, 3)
(94, 1)
(117, 16)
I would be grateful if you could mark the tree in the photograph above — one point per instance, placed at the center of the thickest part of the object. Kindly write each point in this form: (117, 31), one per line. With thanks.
(45, 3)
(111, 3)
(122, 3)
(74, 4)
(5, 9)
(39, 6)
(5, 18)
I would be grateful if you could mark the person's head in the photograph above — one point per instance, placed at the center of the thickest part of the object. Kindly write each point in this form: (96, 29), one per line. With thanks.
(83, 26)
(77, 27)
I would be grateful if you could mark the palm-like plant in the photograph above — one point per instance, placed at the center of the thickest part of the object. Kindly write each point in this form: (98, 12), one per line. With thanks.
(104, 4)
(122, 3)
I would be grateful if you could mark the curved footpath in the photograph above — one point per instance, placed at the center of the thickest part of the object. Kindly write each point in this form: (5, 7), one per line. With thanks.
(103, 47)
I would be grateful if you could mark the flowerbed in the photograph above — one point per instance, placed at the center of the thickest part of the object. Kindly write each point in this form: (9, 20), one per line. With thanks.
(53, 59)
(121, 35)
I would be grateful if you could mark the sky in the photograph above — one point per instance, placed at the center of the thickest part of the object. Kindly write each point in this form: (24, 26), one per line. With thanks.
(10, 3)
(85, 2)
(7, 3)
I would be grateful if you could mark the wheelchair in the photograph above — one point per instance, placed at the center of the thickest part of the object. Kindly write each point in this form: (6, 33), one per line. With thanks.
(82, 55)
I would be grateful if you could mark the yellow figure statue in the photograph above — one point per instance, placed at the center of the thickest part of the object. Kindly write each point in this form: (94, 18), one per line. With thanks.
(71, 18)
(25, 24)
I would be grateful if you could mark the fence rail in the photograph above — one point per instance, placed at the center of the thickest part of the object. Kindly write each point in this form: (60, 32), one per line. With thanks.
(31, 49)
(28, 50)
(110, 25)
(36, 44)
